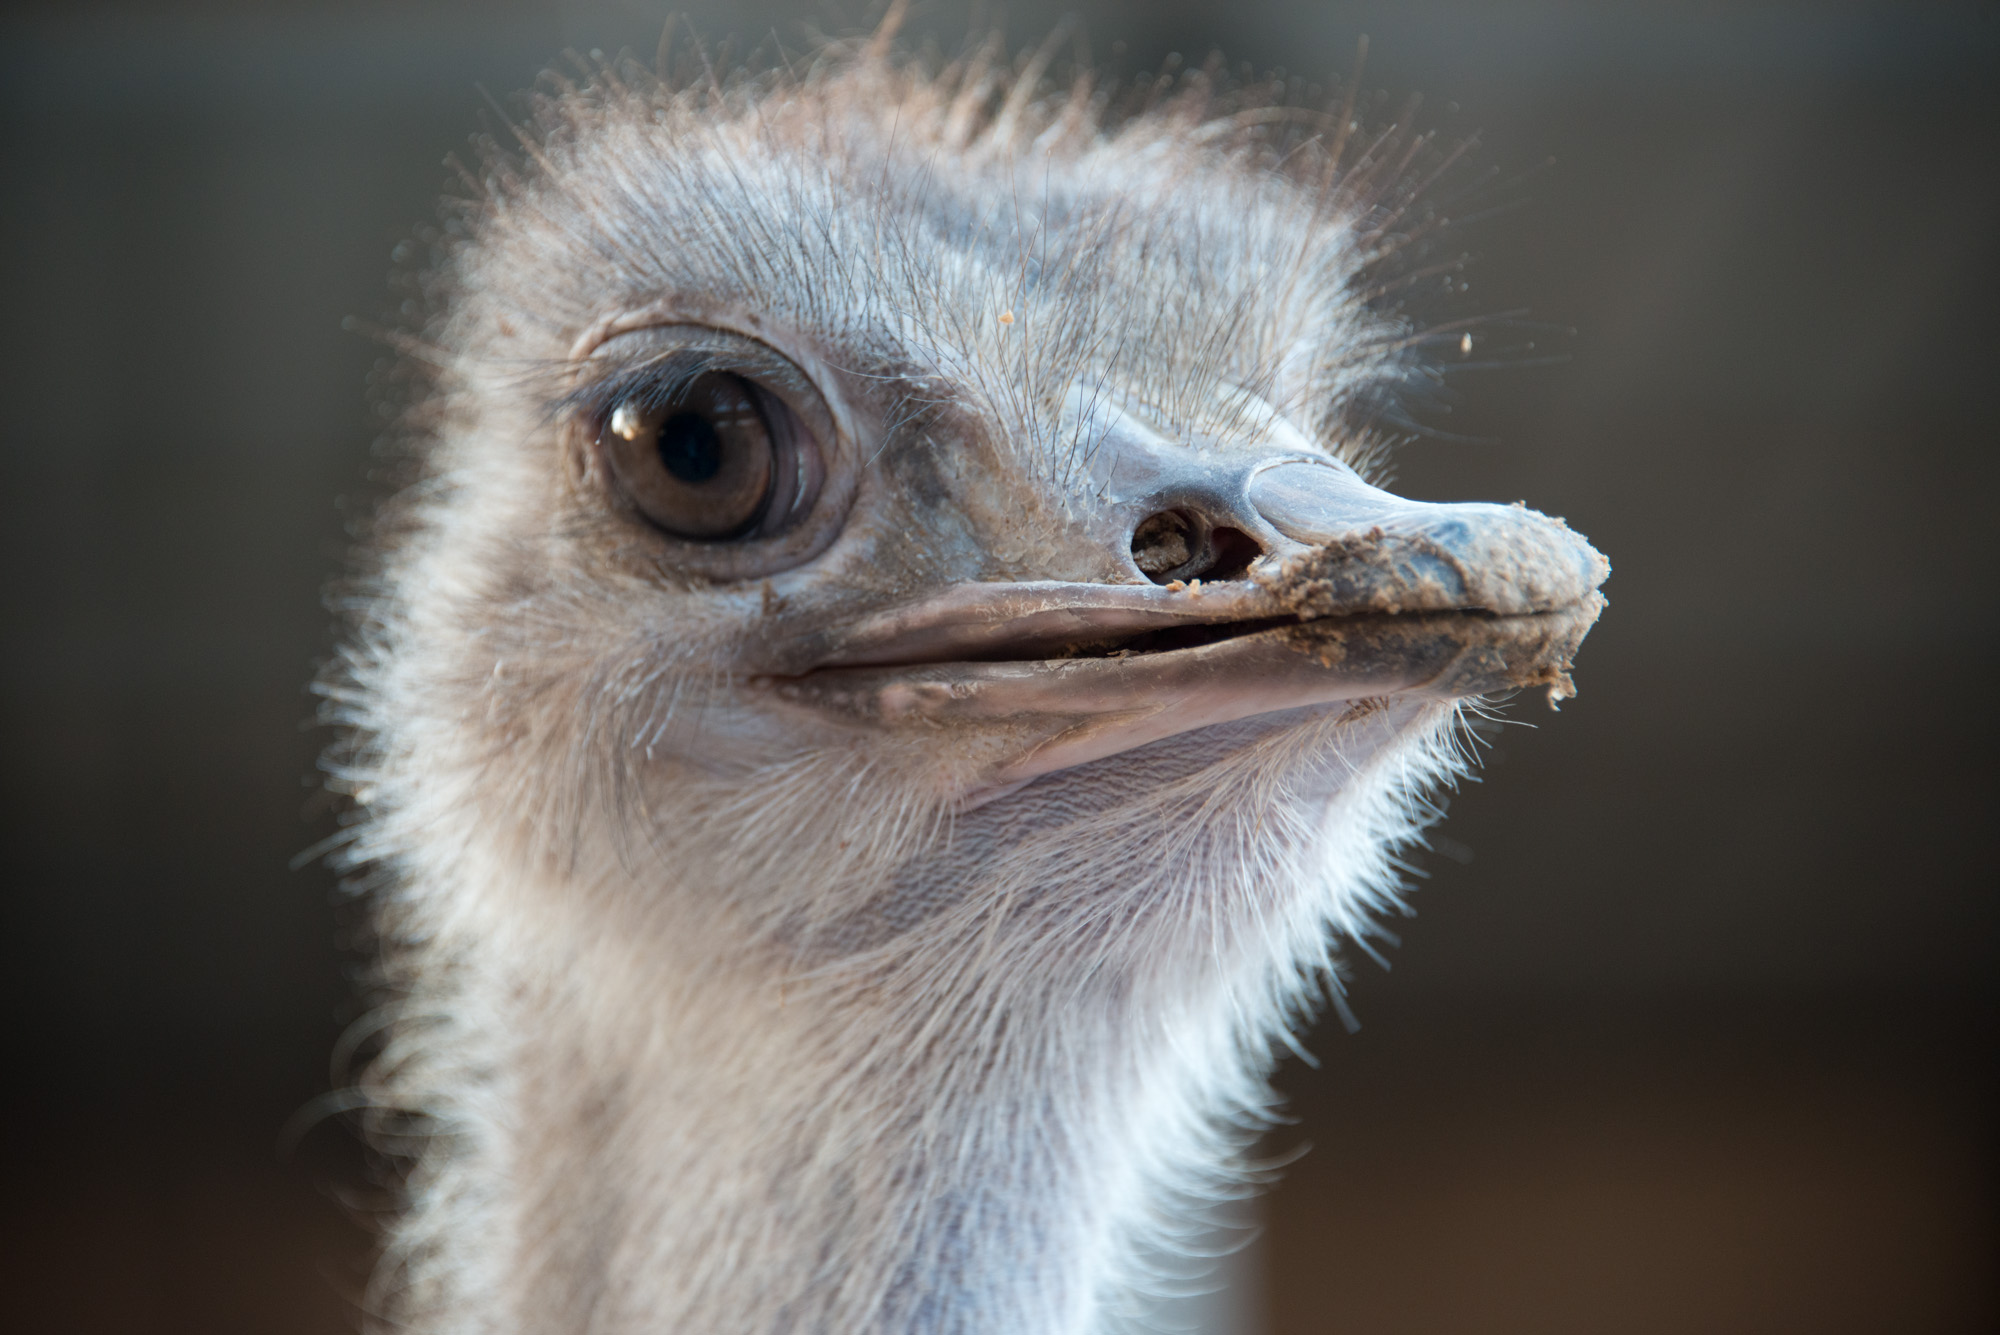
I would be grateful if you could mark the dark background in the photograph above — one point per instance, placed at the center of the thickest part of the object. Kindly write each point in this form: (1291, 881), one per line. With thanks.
(1694, 1028)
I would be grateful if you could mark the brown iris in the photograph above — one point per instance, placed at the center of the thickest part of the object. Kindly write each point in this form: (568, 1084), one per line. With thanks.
(700, 463)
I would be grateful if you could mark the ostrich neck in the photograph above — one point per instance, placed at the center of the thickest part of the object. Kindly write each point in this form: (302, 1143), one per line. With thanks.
(655, 1131)
(735, 1156)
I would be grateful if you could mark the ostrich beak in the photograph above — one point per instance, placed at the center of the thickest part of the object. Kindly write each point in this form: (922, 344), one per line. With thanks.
(1356, 594)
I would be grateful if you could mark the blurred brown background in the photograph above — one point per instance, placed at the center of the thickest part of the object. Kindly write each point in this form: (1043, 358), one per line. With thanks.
(1694, 1028)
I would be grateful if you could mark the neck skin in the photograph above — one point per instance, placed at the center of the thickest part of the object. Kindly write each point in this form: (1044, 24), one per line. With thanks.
(972, 1112)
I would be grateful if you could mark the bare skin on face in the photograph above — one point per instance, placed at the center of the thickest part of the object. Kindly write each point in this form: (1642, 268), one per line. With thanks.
(890, 678)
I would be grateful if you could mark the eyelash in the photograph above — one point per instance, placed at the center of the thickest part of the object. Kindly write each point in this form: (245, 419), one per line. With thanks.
(653, 384)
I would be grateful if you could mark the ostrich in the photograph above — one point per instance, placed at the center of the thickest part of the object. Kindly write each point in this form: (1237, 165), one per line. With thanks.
(885, 684)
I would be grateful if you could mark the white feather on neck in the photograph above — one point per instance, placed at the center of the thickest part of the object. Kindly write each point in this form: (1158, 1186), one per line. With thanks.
(998, 1121)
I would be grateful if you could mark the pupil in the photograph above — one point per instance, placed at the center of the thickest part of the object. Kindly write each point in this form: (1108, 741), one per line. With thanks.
(689, 447)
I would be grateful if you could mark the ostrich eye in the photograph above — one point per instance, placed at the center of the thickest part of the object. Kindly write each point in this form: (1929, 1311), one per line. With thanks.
(703, 461)
(724, 450)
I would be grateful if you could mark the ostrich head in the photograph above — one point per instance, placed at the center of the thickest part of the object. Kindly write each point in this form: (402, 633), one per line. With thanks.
(891, 676)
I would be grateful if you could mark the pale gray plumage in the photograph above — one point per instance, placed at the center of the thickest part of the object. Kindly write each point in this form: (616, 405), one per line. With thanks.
(881, 920)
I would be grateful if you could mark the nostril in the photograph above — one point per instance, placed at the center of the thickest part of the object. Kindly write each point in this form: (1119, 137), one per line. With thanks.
(1231, 551)
(1181, 544)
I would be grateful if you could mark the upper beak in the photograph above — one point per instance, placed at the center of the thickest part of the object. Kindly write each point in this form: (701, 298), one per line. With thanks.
(1346, 547)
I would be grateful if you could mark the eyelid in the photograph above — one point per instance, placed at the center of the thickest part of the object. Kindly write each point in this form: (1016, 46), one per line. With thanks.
(660, 375)
(654, 381)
